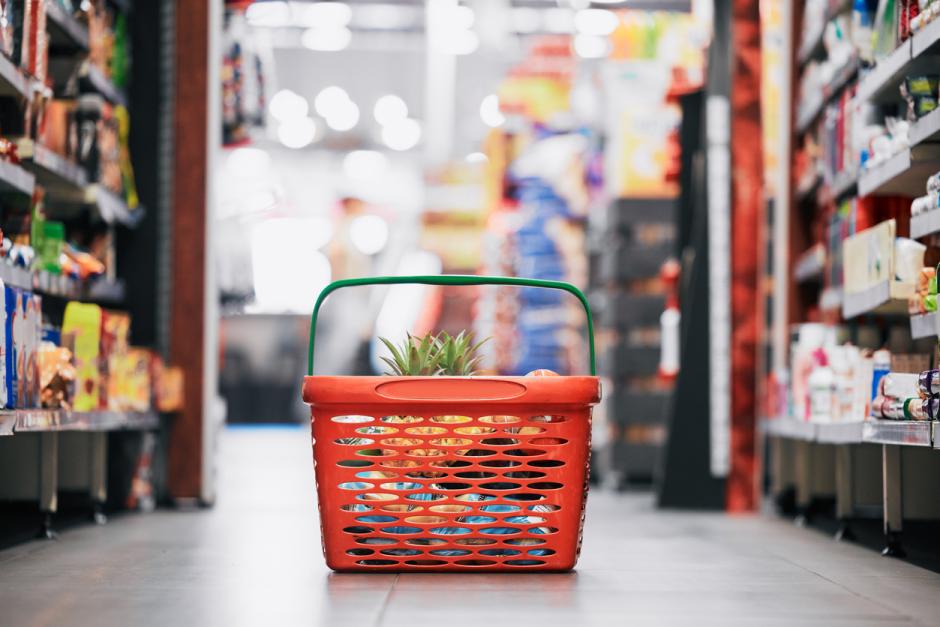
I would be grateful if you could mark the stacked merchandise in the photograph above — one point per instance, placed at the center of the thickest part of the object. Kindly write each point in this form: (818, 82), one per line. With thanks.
(905, 396)
(243, 79)
(536, 224)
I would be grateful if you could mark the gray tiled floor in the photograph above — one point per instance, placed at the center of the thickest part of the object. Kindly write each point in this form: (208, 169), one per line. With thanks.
(255, 560)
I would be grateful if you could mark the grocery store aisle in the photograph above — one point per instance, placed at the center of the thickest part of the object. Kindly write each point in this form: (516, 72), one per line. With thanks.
(255, 559)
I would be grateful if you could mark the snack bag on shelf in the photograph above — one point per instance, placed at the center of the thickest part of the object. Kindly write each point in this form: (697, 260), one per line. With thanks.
(56, 376)
(83, 322)
(137, 388)
(31, 330)
(169, 389)
(115, 330)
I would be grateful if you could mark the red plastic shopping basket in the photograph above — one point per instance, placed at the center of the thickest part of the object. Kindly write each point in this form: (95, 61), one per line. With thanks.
(451, 473)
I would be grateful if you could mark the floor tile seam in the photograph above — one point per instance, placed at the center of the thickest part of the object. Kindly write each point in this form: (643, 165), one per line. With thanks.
(380, 616)
(855, 593)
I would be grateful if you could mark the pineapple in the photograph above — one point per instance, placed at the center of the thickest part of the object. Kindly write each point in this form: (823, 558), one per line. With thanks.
(434, 355)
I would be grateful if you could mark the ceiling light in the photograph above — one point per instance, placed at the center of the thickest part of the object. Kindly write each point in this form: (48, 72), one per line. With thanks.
(321, 14)
(389, 108)
(286, 105)
(344, 118)
(596, 21)
(490, 113)
(369, 234)
(402, 134)
(270, 14)
(364, 165)
(558, 20)
(591, 46)
(326, 38)
(525, 19)
(297, 133)
(330, 100)
(386, 16)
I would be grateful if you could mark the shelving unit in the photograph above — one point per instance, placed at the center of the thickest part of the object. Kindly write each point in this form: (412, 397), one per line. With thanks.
(37, 440)
(828, 460)
(639, 414)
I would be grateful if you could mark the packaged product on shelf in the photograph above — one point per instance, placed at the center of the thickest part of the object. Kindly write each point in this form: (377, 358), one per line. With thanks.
(820, 385)
(115, 333)
(900, 385)
(56, 376)
(931, 408)
(914, 409)
(82, 322)
(22, 28)
(908, 259)
(920, 93)
(38, 63)
(169, 389)
(6, 349)
(137, 394)
(928, 383)
(8, 10)
(881, 365)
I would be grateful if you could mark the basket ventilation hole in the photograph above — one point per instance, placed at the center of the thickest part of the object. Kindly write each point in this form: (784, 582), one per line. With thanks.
(376, 430)
(377, 562)
(353, 441)
(375, 496)
(451, 442)
(450, 420)
(500, 463)
(400, 552)
(425, 541)
(475, 562)
(400, 529)
(475, 474)
(354, 463)
(450, 509)
(449, 463)
(402, 420)
(546, 463)
(524, 562)
(426, 430)
(524, 452)
(356, 507)
(500, 420)
(352, 419)
(499, 441)
(425, 562)
(524, 474)
(548, 441)
(500, 485)
(550, 419)
(355, 485)
(359, 552)
(474, 430)
(475, 542)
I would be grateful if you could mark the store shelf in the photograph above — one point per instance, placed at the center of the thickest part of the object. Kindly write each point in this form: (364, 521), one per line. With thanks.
(844, 184)
(884, 298)
(58, 175)
(790, 429)
(13, 83)
(900, 432)
(904, 174)
(924, 325)
(92, 80)
(39, 420)
(927, 128)
(926, 40)
(16, 180)
(830, 299)
(926, 223)
(840, 432)
(7, 423)
(882, 82)
(112, 208)
(812, 46)
(99, 290)
(625, 213)
(810, 265)
(809, 110)
(65, 32)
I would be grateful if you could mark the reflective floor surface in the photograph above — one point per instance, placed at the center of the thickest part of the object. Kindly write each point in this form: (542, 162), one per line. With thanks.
(254, 559)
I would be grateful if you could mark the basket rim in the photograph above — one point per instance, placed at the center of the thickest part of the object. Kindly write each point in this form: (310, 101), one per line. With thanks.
(485, 391)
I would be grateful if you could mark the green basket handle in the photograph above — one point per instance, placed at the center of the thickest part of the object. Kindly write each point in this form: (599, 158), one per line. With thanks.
(451, 279)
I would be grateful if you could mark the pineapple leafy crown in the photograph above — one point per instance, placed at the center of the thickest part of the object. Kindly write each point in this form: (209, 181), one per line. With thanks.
(434, 355)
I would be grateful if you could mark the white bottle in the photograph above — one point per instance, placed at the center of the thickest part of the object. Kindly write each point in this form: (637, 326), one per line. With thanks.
(821, 386)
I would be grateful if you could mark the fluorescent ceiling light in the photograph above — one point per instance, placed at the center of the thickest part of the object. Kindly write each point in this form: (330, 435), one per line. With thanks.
(591, 46)
(490, 113)
(287, 105)
(389, 108)
(402, 134)
(326, 39)
(596, 21)
(320, 14)
(297, 133)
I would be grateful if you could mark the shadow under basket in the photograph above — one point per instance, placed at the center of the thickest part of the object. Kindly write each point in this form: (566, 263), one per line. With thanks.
(451, 473)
